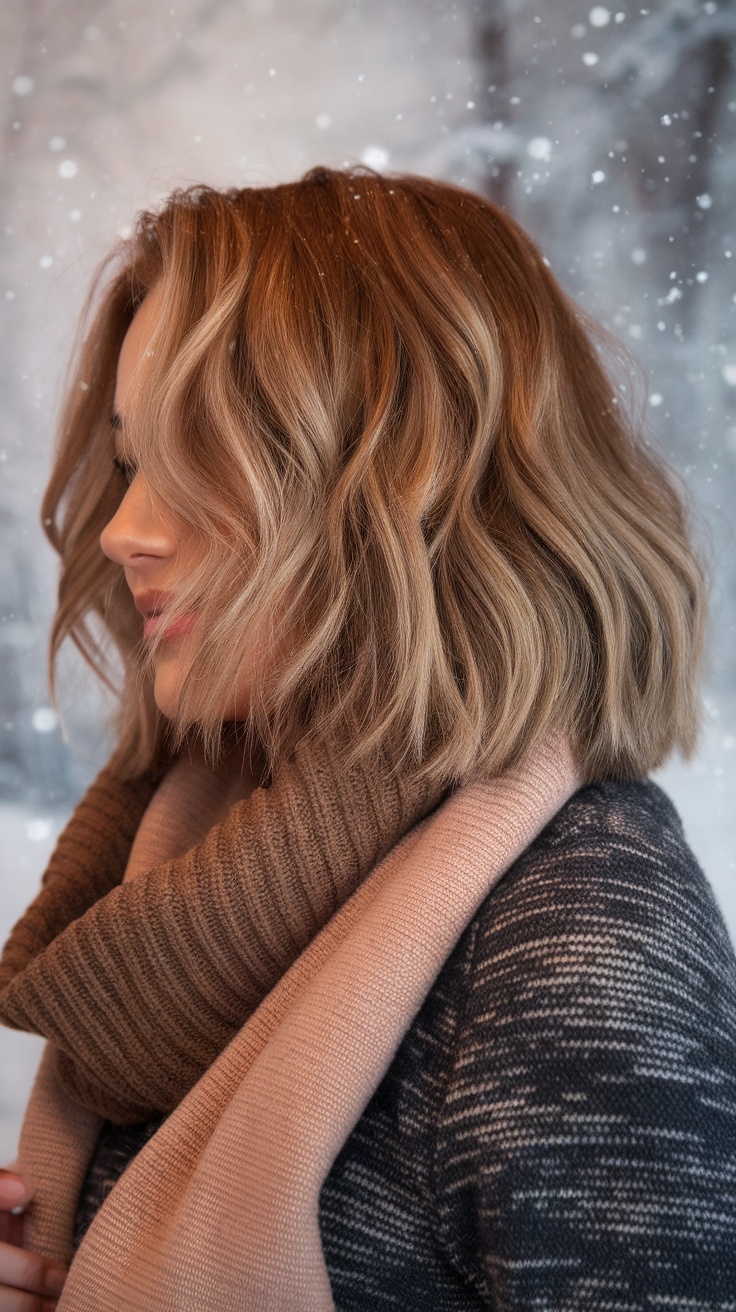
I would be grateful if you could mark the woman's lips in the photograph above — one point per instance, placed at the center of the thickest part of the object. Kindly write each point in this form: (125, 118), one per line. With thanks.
(153, 623)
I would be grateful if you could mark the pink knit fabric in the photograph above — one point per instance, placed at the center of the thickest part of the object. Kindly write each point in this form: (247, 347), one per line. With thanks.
(219, 1210)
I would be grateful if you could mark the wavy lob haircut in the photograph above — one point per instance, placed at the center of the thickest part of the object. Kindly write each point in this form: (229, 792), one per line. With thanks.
(394, 436)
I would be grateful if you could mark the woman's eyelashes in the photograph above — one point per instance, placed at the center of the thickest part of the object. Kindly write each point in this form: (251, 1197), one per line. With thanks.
(126, 468)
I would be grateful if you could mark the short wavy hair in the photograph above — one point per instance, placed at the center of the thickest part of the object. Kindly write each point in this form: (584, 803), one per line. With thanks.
(396, 438)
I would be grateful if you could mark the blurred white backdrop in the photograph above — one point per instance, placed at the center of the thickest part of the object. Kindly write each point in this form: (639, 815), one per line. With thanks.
(607, 132)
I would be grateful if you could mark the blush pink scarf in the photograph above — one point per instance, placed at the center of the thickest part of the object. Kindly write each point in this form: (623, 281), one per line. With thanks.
(219, 1211)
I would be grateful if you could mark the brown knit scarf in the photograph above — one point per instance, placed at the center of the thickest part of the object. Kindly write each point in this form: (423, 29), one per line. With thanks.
(219, 1210)
(140, 984)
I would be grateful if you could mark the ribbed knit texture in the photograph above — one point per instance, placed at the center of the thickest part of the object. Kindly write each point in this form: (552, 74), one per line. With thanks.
(219, 1210)
(88, 861)
(141, 986)
(558, 1127)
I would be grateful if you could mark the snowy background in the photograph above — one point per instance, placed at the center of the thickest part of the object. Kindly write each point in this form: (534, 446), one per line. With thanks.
(609, 133)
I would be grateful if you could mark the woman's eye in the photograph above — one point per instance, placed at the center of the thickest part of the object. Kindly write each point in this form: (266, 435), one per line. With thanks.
(126, 468)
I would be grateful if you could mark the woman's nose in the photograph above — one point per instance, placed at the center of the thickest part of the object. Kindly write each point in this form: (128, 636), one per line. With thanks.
(137, 529)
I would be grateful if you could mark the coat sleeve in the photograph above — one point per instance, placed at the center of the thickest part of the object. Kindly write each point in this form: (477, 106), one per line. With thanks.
(586, 1149)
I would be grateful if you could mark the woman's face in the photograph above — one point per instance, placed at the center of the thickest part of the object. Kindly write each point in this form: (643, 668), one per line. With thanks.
(154, 551)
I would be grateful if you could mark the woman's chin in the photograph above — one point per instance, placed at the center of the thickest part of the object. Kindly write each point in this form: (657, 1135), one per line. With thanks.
(165, 695)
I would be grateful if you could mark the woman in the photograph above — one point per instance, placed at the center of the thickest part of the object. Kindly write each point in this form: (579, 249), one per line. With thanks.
(375, 972)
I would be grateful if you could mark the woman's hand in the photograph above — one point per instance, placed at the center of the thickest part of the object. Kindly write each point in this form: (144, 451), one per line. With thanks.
(29, 1282)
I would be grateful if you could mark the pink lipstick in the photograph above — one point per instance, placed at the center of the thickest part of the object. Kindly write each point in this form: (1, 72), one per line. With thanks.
(179, 629)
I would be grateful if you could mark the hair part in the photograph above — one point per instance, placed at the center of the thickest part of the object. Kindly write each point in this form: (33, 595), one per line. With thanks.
(427, 515)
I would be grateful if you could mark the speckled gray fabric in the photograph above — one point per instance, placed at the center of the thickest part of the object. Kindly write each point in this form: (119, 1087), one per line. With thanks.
(558, 1128)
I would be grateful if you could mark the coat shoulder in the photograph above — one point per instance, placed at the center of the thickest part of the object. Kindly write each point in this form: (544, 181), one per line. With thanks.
(611, 876)
(588, 1126)
(603, 952)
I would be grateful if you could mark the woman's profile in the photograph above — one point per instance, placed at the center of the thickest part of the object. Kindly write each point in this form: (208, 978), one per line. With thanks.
(374, 970)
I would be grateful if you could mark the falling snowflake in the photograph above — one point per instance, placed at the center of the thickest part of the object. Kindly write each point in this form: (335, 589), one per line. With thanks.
(37, 830)
(375, 157)
(44, 719)
(540, 148)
